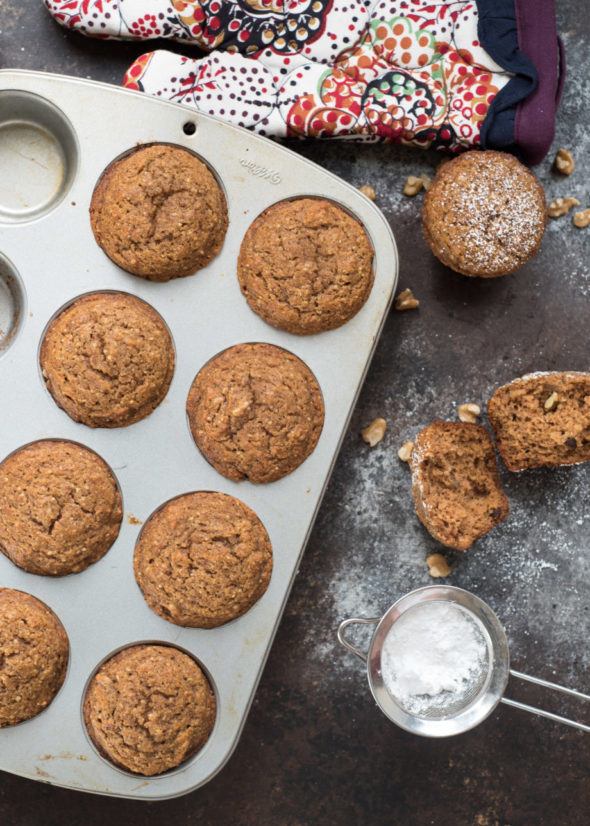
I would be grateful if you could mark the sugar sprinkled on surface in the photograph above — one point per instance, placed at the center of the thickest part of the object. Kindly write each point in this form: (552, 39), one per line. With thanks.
(434, 658)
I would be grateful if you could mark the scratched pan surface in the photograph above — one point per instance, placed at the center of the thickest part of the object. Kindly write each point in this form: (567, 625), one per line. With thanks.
(57, 135)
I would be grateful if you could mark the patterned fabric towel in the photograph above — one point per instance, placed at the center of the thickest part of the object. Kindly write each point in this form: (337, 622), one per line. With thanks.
(451, 74)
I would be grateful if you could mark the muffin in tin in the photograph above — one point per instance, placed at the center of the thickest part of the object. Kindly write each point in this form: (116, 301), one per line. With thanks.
(107, 359)
(34, 653)
(256, 412)
(60, 507)
(306, 266)
(149, 708)
(158, 212)
(203, 559)
(484, 214)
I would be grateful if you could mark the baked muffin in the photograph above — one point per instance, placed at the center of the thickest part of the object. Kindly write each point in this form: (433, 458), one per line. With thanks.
(256, 412)
(107, 359)
(306, 266)
(159, 213)
(203, 559)
(484, 214)
(34, 652)
(455, 483)
(60, 508)
(149, 708)
(542, 420)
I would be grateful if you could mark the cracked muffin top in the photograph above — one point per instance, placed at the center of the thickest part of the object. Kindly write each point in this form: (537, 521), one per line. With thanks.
(149, 708)
(203, 559)
(306, 266)
(159, 213)
(484, 214)
(256, 412)
(34, 653)
(60, 508)
(107, 359)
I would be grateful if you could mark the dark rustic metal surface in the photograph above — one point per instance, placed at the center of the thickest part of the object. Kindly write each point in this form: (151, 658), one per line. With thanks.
(315, 749)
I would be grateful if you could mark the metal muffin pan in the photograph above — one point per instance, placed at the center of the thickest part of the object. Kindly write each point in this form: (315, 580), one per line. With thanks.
(71, 130)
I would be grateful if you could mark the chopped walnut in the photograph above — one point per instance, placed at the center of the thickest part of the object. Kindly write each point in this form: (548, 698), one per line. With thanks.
(406, 301)
(468, 412)
(373, 433)
(405, 451)
(551, 402)
(426, 181)
(413, 185)
(582, 219)
(438, 565)
(369, 191)
(561, 206)
(564, 162)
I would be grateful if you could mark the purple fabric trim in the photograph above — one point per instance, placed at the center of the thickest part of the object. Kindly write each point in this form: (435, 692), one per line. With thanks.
(534, 125)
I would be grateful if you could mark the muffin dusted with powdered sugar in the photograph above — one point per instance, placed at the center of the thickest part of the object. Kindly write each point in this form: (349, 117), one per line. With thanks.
(484, 214)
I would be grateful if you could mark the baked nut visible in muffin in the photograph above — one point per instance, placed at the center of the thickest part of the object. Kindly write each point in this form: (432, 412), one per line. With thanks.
(203, 559)
(149, 708)
(256, 412)
(484, 214)
(60, 508)
(305, 266)
(107, 359)
(34, 652)
(542, 420)
(159, 213)
(455, 483)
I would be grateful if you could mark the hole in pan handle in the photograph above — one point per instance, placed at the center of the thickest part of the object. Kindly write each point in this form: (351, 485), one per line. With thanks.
(344, 625)
(540, 711)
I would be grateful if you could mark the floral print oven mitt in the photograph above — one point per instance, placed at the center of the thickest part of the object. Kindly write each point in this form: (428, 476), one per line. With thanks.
(451, 74)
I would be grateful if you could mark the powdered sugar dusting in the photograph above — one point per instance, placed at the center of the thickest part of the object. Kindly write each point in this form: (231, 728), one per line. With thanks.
(485, 213)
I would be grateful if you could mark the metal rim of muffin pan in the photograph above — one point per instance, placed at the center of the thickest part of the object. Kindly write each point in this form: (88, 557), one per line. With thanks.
(51, 255)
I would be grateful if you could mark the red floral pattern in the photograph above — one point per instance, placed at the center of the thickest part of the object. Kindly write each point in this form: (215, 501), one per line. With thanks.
(403, 71)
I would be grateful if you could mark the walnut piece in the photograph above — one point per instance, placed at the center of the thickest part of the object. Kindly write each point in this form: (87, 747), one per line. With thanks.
(582, 219)
(368, 191)
(405, 451)
(438, 565)
(551, 402)
(373, 433)
(426, 181)
(406, 301)
(561, 206)
(413, 185)
(468, 412)
(564, 162)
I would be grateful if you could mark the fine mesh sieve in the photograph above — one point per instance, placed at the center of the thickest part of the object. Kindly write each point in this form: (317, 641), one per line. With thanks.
(444, 713)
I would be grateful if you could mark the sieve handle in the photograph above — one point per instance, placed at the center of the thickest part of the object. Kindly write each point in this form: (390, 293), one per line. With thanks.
(540, 711)
(344, 625)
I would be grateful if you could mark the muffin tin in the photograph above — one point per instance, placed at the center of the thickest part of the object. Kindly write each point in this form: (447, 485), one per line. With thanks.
(57, 135)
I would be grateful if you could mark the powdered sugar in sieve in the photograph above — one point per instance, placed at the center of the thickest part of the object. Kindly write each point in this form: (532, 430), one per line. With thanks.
(435, 659)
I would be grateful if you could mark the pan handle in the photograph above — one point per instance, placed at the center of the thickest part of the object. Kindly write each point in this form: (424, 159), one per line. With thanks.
(344, 625)
(540, 711)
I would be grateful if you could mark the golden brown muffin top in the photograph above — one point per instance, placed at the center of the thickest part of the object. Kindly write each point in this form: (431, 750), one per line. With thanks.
(305, 266)
(203, 559)
(107, 359)
(149, 708)
(256, 412)
(60, 508)
(34, 653)
(159, 213)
